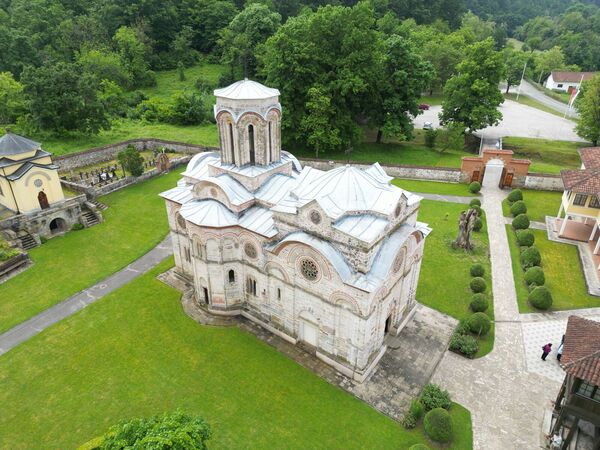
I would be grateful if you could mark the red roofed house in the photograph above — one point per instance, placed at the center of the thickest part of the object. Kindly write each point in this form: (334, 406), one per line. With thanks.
(578, 400)
(567, 81)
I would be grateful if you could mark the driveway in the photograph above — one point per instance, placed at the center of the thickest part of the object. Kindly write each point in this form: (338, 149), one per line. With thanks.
(530, 91)
(518, 120)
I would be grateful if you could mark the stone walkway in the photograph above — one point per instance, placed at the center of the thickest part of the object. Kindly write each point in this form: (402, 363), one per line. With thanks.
(77, 302)
(446, 198)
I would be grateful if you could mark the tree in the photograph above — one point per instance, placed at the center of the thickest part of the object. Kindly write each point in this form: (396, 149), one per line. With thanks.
(104, 65)
(12, 100)
(472, 96)
(247, 31)
(515, 63)
(188, 109)
(61, 97)
(131, 161)
(181, 49)
(549, 60)
(130, 46)
(175, 430)
(466, 222)
(444, 53)
(588, 105)
(318, 125)
(207, 18)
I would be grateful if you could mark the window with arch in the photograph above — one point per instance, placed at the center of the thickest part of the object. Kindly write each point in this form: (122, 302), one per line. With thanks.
(231, 143)
(270, 142)
(278, 294)
(231, 276)
(251, 286)
(251, 144)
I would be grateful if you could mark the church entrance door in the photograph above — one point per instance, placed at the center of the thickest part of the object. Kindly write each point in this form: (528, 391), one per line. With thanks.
(388, 324)
(309, 333)
(43, 199)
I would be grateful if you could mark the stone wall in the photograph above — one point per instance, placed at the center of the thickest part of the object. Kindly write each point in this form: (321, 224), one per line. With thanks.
(417, 172)
(109, 152)
(543, 182)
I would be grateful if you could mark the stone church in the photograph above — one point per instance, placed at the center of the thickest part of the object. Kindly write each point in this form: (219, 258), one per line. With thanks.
(330, 259)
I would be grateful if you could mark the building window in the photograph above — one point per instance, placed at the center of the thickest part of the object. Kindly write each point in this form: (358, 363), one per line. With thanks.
(594, 202)
(231, 143)
(251, 143)
(270, 144)
(251, 286)
(278, 294)
(559, 85)
(250, 250)
(580, 199)
(231, 276)
(309, 269)
(188, 255)
(589, 391)
(315, 217)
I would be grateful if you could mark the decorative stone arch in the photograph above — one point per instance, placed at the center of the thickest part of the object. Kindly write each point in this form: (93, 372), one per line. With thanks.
(246, 242)
(343, 300)
(228, 137)
(36, 174)
(213, 250)
(278, 271)
(299, 251)
(199, 249)
(58, 225)
(273, 131)
(252, 125)
(399, 261)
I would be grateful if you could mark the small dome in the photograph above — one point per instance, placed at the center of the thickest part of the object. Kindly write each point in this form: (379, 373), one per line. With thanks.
(246, 90)
(13, 144)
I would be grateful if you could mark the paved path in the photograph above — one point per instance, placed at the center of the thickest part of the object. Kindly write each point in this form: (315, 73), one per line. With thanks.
(446, 198)
(530, 91)
(77, 302)
(506, 401)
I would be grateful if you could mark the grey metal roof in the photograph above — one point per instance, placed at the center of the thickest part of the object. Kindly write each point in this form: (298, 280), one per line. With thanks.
(26, 168)
(275, 188)
(246, 90)
(179, 194)
(365, 227)
(234, 190)
(13, 144)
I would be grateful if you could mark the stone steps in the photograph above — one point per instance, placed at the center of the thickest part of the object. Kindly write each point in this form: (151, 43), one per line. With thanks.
(90, 218)
(101, 206)
(27, 241)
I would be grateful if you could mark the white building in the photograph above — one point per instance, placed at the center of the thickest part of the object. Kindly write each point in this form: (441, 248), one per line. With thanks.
(327, 258)
(567, 81)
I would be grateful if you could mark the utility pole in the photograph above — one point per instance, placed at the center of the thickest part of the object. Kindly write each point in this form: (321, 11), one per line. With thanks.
(521, 82)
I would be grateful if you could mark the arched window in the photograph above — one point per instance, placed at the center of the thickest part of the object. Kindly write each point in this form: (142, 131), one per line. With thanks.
(278, 294)
(231, 143)
(251, 286)
(251, 143)
(270, 143)
(231, 276)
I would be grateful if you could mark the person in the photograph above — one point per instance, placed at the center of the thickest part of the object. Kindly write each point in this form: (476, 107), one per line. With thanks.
(559, 351)
(546, 349)
(556, 442)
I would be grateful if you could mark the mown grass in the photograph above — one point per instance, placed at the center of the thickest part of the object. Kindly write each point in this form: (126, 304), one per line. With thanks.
(434, 187)
(547, 156)
(563, 271)
(135, 353)
(134, 223)
(539, 204)
(444, 279)
(529, 101)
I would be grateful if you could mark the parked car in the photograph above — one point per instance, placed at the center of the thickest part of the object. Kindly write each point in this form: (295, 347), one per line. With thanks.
(423, 106)
(428, 126)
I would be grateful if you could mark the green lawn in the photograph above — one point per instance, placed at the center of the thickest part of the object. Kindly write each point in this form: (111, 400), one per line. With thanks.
(547, 156)
(135, 222)
(564, 275)
(434, 99)
(528, 101)
(539, 204)
(135, 353)
(433, 187)
(444, 279)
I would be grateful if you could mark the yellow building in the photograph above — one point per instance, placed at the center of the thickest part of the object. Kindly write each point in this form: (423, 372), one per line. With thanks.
(28, 179)
(580, 200)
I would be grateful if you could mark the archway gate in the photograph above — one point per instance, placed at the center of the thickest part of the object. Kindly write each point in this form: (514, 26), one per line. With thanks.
(514, 172)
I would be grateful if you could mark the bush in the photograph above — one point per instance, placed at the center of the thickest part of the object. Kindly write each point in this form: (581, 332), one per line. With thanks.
(477, 209)
(515, 195)
(77, 226)
(475, 187)
(6, 251)
(525, 238)
(434, 396)
(478, 224)
(416, 408)
(535, 275)
(540, 297)
(477, 270)
(475, 202)
(462, 327)
(418, 447)
(479, 323)
(479, 303)
(131, 160)
(188, 109)
(518, 207)
(409, 421)
(438, 425)
(478, 284)
(530, 257)
(521, 222)
(430, 137)
(464, 344)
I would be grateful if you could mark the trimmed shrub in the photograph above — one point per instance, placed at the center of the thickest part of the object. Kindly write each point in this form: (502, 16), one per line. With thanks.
(479, 303)
(525, 238)
(434, 396)
(77, 226)
(478, 284)
(515, 195)
(535, 275)
(478, 224)
(477, 209)
(409, 421)
(475, 202)
(521, 222)
(518, 207)
(462, 327)
(475, 187)
(530, 257)
(479, 323)
(418, 447)
(464, 344)
(540, 297)
(477, 270)
(438, 425)
(416, 408)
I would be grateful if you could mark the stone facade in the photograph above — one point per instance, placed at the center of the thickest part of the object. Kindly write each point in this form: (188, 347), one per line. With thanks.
(514, 170)
(328, 259)
(543, 182)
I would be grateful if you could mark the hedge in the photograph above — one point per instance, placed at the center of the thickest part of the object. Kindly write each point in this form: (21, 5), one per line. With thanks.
(478, 284)
(518, 207)
(521, 222)
(434, 396)
(540, 297)
(515, 195)
(477, 270)
(479, 323)
(464, 344)
(525, 238)
(530, 257)
(479, 303)
(475, 187)
(478, 224)
(535, 275)
(438, 425)
(475, 202)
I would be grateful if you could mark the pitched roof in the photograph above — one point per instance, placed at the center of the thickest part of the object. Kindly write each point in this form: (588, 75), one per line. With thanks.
(26, 168)
(581, 351)
(590, 157)
(13, 144)
(246, 90)
(572, 77)
(584, 181)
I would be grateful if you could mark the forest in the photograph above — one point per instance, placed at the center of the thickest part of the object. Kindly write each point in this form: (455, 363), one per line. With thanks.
(69, 66)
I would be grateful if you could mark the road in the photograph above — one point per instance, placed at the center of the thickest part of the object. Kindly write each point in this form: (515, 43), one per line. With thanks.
(530, 91)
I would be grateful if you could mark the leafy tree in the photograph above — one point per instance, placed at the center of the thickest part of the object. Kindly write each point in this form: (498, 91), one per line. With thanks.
(207, 18)
(444, 54)
(549, 60)
(318, 125)
(104, 65)
(181, 48)
(188, 109)
(131, 161)
(113, 98)
(176, 430)
(12, 100)
(61, 98)
(247, 31)
(515, 63)
(472, 96)
(588, 106)
(130, 46)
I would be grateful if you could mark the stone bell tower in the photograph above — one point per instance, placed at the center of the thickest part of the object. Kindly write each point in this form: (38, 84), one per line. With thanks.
(248, 117)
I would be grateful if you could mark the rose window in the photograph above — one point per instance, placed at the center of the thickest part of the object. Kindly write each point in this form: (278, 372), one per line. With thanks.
(309, 269)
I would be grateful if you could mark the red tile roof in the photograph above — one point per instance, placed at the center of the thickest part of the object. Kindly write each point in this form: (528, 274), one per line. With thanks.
(590, 157)
(584, 181)
(572, 77)
(581, 350)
